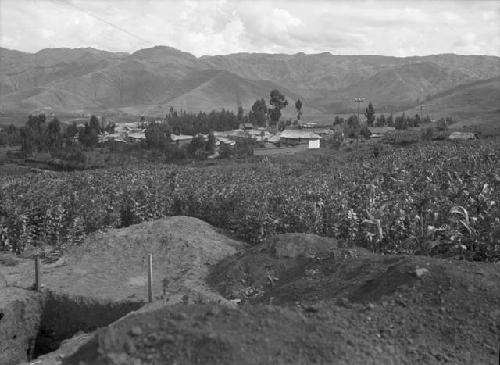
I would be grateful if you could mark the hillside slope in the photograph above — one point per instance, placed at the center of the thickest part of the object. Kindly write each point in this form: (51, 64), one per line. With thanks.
(473, 104)
(87, 80)
(400, 86)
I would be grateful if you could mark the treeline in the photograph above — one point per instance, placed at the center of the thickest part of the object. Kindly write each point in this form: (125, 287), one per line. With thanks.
(400, 122)
(260, 115)
(38, 135)
(10, 136)
(192, 124)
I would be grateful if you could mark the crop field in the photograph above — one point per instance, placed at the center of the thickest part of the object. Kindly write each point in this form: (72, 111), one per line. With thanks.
(437, 198)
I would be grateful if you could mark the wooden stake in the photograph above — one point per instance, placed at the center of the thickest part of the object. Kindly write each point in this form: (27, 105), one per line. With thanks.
(38, 276)
(150, 278)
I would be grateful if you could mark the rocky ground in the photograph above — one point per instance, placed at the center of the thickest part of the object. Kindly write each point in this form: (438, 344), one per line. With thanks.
(303, 299)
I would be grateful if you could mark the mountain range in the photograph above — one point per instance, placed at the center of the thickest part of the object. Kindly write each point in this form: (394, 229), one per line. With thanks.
(151, 80)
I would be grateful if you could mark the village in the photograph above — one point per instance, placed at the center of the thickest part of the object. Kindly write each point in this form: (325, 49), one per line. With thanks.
(268, 141)
(309, 134)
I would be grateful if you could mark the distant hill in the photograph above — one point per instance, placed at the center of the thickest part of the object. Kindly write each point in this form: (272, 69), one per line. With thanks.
(474, 104)
(401, 86)
(149, 81)
(330, 82)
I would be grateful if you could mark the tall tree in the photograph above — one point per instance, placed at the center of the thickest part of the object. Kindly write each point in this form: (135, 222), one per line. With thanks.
(370, 115)
(70, 133)
(157, 135)
(258, 115)
(401, 122)
(88, 136)
(33, 134)
(278, 101)
(241, 114)
(94, 124)
(298, 106)
(381, 120)
(352, 128)
(53, 135)
(390, 121)
(211, 143)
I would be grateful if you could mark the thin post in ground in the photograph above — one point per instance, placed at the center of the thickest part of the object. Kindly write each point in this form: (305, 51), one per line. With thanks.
(37, 273)
(150, 278)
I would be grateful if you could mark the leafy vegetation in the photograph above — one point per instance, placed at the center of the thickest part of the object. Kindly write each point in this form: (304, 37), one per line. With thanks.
(435, 198)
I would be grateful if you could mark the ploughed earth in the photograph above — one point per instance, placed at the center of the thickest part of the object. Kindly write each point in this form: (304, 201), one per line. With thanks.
(295, 299)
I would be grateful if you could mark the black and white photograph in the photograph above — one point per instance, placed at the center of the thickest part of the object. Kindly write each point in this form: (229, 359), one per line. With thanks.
(219, 182)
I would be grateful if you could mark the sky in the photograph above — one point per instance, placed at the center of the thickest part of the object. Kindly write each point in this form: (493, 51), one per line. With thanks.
(209, 27)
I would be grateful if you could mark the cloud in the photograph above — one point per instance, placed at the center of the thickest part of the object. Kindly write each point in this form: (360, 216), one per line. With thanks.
(224, 26)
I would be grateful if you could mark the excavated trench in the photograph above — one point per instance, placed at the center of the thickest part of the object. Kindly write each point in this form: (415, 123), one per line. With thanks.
(34, 324)
(63, 316)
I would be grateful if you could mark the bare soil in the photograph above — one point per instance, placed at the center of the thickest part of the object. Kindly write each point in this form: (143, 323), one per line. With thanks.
(429, 310)
(112, 265)
(305, 299)
(105, 278)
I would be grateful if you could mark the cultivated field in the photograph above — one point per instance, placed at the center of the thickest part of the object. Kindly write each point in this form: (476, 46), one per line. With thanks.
(437, 198)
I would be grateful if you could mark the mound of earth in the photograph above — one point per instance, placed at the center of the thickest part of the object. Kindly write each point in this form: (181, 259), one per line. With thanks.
(211, 334)
(291, 245)
(105, 278)
(251, 273)
(427, 310)
(306, 299)
(112, 265)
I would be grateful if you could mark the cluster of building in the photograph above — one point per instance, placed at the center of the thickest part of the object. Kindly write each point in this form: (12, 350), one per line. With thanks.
(134, 132)
(125, 132)
(310, 134)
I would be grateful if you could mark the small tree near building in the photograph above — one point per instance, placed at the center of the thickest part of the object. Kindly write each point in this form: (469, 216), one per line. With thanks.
(88, 136)
(70, 133)
(390, 121)
(53, 135)
(157, 135)
(298, 106)
(381, 120)
(370, 115)
(352, 127)
(211, 143)
(240, 115)
(401, 122)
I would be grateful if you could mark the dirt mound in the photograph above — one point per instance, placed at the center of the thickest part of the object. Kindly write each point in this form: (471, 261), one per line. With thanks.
(250, 274)
(300, 244)
(210, 334)
(112, 265)
(105, 277)
(430, 310)
(329, 304)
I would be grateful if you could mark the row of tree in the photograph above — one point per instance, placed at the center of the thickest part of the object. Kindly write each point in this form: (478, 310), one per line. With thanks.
(402, 121)
(10, 136)
(260, 115)
(193, 123)
(38, 135)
